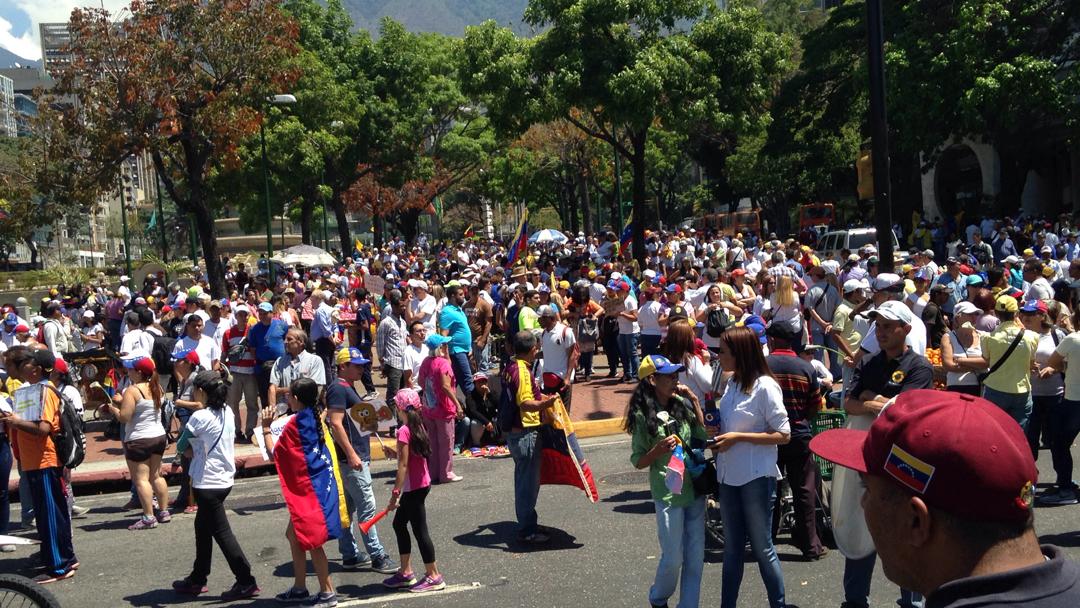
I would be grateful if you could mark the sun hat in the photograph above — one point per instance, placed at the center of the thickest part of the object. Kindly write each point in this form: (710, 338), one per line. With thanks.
(406, 399)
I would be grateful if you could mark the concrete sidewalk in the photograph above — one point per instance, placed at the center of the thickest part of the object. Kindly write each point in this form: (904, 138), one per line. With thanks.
(597, 409)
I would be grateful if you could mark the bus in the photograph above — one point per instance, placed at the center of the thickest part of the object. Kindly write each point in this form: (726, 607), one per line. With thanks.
(816, 214)
(730, 224)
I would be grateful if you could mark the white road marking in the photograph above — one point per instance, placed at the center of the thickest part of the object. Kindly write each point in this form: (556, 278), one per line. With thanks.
(398, 596)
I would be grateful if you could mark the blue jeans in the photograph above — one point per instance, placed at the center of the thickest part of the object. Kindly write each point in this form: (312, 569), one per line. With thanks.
(819, 337)
(5, 475)
(628, 352)
(525, 449)
(26, 499)
(747, 513)
(1041, 406)
(1017, 405)
(360, 501)
(1065, 426)
(681, 531)
(463, 372)
(857, 576)
(650, 345)
(482, 357)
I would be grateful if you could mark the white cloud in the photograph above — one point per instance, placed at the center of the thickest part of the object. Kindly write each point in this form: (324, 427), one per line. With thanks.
(28, 44)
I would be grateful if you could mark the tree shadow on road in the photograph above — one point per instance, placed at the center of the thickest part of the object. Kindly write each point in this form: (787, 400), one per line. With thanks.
(503, 536)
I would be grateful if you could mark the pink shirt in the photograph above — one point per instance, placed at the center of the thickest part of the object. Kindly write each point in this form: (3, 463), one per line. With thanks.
(437, 403)
(417, 476)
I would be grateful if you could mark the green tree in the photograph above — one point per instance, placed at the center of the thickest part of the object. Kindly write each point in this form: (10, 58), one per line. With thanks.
(186, 82)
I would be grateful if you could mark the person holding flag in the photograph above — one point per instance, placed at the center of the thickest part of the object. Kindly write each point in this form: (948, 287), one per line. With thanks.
(663, 417)
(310, 479)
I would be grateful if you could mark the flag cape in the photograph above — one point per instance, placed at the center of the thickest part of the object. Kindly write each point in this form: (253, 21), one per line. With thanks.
(561, 460)
(310, 481)
(627, 235)
(521, 240)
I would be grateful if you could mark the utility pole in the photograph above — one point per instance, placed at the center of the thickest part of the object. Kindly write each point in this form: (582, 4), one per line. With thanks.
(618, 189)
(879, 128)
(161, 225)
(127, 240)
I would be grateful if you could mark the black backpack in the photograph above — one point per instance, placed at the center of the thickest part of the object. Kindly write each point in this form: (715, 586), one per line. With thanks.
(717, 322)
(70, 438)
(162, 354)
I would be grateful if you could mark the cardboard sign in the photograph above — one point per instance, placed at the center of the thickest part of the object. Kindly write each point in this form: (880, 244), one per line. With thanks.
(374, 285)
(368, 416)
(276, 428)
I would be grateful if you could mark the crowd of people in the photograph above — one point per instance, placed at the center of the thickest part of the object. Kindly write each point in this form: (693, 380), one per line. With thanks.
(733, 345)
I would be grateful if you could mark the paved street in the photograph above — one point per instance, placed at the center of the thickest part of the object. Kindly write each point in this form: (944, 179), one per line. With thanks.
(604, 555)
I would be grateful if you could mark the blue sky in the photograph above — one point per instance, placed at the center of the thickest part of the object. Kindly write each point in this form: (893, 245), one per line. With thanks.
(19, 21)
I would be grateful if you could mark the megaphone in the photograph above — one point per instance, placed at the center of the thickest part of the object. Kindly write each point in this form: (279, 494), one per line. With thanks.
(366, 526)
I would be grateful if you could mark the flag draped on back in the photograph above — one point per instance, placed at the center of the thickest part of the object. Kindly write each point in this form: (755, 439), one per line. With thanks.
(627, 235)
(521, 240)
(310, 481)
(561, 460)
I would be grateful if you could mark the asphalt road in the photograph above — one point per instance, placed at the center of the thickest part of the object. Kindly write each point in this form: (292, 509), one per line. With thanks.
(601, 555)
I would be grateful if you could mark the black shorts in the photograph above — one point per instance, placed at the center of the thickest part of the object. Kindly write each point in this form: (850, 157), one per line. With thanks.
(140, 450)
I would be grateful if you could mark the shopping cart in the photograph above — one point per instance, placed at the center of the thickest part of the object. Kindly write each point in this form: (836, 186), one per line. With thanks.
(825, 420)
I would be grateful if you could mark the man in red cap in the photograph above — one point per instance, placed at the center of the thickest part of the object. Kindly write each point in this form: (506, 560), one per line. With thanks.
(948, 502)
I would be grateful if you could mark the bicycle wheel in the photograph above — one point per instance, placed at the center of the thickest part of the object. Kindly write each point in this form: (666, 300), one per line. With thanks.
(20, 592)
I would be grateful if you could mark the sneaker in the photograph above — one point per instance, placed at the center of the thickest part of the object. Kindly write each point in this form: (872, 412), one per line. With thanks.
(191, 509)
(384, 565)
(79, 511)
(293, 596)
(536, 538)
(1064, 496)
(187, 587)
(429, 584)
(240, 592)
(454, 477)
(400, 581)
(371, 395)
(164, 517)
(353, 563)
(457, 450)
(144, 523)
(49, 577)
(322, 600)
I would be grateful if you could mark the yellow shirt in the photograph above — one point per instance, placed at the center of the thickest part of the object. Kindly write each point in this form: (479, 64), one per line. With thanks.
(525, 393)
(1014, 374)
(842, 323)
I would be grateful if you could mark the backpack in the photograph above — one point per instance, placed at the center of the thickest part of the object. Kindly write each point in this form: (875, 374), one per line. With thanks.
(717, 322)
(161, 353)
(70, 438)
(588, 334)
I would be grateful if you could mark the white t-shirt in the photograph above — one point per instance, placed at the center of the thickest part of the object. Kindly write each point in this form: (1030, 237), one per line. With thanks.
(94, 330)
(626, 326)
(216, 331)
(1054, 385)
(760, 411)
(137, 341)
(426, 309)
(698, 376)
(213, 462)
(208, 349)
(413, 358)
(1039, 289)
(1070, 350)
(557, 344)
(649, 318)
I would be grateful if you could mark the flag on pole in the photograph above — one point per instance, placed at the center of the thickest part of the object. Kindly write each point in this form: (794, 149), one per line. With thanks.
(521, 240)
(359, 245)
(469, 232)
(627, 235)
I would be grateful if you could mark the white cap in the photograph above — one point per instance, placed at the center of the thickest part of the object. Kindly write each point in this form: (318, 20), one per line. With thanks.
(615, 276)
(894, 311)
(1012, 259)
(414, 283)
(242, 308)
(124, 278)
(886, 280)
(851, 285)
(88, 314)
(966, 308)
(649, 274)
(830, 266)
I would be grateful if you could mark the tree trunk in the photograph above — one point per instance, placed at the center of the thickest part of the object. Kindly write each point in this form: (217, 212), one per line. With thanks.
(307, 211)
(215, 272)
(1014, 173)
(342, 222)
(586, 207)
(409, 224)
(377, 230)
(637, 161)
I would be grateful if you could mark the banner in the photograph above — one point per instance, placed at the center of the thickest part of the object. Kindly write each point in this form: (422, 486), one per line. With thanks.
(375, 285)
(310, 480)
(561, 460)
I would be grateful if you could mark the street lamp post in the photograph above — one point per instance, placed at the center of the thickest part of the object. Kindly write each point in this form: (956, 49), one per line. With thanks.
(277, 100)
(879, 129)
(123, 219)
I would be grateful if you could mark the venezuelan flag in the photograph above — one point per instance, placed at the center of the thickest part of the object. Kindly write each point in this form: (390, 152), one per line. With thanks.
(676, 471)
(909, 470)
(627, 235)
(109, 383)
(310, 481)
(521, 240)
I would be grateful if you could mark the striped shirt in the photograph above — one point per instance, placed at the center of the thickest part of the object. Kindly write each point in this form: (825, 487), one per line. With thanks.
(390, 340)
(799, 383)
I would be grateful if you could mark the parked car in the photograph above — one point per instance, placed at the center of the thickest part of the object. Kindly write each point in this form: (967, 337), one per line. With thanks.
(853, 239)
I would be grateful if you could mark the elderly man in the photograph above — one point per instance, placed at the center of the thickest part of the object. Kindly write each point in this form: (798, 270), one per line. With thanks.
(560, 355)
(296, 363)
(949, 482)
(322, 330)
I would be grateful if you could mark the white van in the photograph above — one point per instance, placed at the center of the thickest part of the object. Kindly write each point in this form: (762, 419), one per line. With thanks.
(853, 239)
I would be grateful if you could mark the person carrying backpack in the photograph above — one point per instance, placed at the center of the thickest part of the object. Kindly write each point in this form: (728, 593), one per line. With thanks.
(34, 425)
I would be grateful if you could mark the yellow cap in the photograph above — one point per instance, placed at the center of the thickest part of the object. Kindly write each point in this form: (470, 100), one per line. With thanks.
(1006, 304)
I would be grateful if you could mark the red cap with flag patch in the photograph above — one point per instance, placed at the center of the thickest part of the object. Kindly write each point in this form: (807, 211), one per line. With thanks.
(960, 453)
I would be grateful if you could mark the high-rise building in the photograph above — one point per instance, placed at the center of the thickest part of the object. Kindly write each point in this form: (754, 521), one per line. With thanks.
(55, 38)
(8, 125)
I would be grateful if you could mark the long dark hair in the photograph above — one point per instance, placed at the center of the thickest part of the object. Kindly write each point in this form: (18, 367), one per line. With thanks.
(643, 401)
(215, 387)
(307, 393)
(418, 442)
(745, 349)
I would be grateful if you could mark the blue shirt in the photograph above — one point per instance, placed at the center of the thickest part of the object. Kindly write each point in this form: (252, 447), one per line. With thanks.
(959, 291)
(453, 320)
(268, 340)
(322, 326)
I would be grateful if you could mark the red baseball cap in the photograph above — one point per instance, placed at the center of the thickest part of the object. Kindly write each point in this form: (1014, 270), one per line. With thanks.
(960, 453)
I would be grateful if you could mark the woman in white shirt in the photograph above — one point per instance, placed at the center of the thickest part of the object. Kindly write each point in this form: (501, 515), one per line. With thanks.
(208, 440)
(649, 321)
(783, 305)
(753, 421)
(1047, 384)
(961, 351)
(678, 347)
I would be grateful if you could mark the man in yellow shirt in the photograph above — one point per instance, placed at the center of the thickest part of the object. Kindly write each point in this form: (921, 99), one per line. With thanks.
(1008, 381)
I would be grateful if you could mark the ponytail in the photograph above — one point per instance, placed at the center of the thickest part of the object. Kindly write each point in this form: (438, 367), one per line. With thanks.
(155, 389)
(215, 387)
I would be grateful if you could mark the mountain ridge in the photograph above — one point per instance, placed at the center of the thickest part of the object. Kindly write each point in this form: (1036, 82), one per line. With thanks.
(448, 17)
